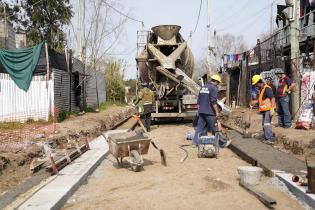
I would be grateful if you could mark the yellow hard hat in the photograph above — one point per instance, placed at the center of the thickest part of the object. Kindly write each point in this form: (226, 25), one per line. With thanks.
(216, 78)
(256, 78)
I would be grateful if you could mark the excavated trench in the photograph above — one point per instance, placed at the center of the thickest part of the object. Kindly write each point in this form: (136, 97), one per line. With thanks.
(15, 172)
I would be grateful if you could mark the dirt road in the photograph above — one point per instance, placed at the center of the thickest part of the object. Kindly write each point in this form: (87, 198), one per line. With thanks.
(194, 184)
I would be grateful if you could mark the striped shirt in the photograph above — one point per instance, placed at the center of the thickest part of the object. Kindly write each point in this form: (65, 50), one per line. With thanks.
(283, 87)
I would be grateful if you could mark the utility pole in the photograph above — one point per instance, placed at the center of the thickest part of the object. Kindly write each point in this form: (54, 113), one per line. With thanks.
(210, 54)
(5, 27)
(295, 56)
(84, 58)
(79, 36)
(271, 17)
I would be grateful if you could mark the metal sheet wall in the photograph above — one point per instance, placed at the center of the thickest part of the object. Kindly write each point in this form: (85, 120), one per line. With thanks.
(101, 86)
(77, 66)
(91, 94)
(61, 88)
(18, 105)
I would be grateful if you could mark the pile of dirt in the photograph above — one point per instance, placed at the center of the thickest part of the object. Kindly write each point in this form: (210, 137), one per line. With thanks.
(14, 166)
(297, 142)
(15, 162)
(93, 124)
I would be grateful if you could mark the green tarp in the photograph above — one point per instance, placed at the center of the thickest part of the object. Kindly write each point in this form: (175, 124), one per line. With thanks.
(20, 64)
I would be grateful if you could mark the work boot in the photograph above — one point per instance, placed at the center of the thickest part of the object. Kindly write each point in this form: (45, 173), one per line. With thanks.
(287, 126)
(228, 143)
(225, 144)
(269, 142)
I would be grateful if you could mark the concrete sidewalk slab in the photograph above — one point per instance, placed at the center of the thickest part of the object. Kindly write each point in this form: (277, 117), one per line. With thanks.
(298, 191)
(55, 193)
(265, 156)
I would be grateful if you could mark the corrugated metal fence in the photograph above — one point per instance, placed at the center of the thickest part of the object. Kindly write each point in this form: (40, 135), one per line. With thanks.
(45, 96)
(95, 88)
(18, 105)
(61, 90)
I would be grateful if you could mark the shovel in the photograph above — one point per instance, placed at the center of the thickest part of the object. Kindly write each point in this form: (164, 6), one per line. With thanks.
(247, 125)
(162, 153)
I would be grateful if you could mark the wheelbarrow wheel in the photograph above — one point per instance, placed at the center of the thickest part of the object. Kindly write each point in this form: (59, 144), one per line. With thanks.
(136, 165)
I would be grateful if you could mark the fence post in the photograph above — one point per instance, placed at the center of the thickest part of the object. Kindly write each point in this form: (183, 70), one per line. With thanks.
(259, 54)
(69, 68)
(84, 82)
(97, 97)
(47, 64)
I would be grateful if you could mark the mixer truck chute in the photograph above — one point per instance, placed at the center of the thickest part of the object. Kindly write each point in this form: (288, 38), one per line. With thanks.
(165, 61)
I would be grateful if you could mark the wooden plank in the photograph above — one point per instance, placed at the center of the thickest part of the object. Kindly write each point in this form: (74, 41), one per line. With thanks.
(243, 155)
(61, 163)
(265, 199)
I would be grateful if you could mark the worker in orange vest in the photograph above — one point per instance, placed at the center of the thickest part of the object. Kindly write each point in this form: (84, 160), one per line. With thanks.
(267, 104)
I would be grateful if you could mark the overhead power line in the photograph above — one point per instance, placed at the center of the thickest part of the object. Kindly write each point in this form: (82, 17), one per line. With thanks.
(253, 20)
(237, 12)
(198, 16)
(259, 12)
(123, 14)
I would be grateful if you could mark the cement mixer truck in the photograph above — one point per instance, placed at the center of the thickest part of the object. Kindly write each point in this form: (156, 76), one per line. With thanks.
(166, 63)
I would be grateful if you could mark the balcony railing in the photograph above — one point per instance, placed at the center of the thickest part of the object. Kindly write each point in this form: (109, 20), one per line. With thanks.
(281, 38)
(307, 26)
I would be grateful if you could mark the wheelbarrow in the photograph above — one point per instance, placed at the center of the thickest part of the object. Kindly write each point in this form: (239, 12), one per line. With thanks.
(131, 145)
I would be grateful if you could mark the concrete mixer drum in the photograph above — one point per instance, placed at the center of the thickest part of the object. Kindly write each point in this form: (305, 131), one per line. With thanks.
(166, 61)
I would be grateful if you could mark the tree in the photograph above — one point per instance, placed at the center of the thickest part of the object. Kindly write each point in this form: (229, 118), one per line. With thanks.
(224, 44)
(42, 20)
(103, 30)
(264, 36)
(132, 83)
(114, 79)
(201, 68)
(229, 43)
(10, 11)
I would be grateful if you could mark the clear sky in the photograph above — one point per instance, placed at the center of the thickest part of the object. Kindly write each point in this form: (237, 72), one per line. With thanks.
(249, 18)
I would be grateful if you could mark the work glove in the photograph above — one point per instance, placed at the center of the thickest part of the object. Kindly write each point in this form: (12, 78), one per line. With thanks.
(272, 112)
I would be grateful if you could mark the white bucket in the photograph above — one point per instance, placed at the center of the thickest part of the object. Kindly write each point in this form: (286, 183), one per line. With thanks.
(250, 175)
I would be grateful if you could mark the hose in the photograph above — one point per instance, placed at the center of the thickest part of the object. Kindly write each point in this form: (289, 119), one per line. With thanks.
(185, 152)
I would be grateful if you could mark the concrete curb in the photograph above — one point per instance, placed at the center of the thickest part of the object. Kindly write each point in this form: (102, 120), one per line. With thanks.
(55, 194)
(298, 191)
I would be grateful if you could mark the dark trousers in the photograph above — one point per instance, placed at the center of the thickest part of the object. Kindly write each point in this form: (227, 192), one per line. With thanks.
(308, 9)
(78, 102)
(206, 123)
(146, 116)
(267, 128)
(283, 109)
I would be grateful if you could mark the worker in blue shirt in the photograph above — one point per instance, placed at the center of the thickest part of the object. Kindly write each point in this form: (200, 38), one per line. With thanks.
(208, 109)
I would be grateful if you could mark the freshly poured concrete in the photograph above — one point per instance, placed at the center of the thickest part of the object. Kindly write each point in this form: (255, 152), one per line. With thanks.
(55, 193)
(265, 156)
